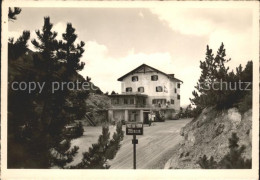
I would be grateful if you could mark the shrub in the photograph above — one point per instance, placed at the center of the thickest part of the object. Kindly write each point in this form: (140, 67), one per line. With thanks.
(232, 160)
(245, 104)
(206, 163)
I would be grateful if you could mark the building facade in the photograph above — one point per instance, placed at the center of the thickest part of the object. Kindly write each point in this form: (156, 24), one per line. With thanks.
(145, 90)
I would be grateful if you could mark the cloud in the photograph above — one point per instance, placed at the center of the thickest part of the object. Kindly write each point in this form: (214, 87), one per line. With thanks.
(182, 21)
(203, 21)
(104, 70)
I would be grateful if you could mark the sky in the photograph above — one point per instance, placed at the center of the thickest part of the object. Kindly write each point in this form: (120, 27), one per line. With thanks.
(117, 40)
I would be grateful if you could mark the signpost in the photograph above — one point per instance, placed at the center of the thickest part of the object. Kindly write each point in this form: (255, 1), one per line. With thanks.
(134, 128)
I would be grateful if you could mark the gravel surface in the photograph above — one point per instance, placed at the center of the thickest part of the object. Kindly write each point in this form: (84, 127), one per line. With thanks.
(154, 147)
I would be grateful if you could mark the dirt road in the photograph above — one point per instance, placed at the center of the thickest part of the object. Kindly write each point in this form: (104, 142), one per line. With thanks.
(154, 147)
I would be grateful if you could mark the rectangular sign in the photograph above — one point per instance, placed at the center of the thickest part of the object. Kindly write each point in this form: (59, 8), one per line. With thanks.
(134, 128)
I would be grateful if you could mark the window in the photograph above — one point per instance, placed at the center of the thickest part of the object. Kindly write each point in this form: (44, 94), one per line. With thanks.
(163, 101)
(178, 85)
(116, 101)
(178, 97)
(144, 101)
(125, 101)
(141, 89)
(154, 77)
(128, 89)
(172, 101)
(154, 101)
(159, 101)
(175, 90)
(159, 89)
(134, 78)
(132, 101)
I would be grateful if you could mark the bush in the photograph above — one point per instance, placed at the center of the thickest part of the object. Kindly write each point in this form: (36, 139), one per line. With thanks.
(245, 104)
(206, 163)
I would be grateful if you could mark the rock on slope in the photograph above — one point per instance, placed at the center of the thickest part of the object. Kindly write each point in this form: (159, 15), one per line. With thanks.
(208, 135)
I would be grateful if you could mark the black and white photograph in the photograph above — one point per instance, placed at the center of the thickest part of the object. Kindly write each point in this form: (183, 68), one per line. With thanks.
(143, 86)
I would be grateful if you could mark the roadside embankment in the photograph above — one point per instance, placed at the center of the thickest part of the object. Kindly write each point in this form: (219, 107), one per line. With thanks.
(208, 135)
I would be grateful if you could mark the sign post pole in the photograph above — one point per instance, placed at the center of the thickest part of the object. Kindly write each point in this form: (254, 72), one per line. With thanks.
(134, 128)
(134, 143)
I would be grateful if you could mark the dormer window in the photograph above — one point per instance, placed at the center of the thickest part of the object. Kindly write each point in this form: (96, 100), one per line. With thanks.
(154, 77)
(159, 89)
(140, 89)
(134, 78)
(128, 89)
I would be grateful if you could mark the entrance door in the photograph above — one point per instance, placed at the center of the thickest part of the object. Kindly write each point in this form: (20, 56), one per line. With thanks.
(146, 118)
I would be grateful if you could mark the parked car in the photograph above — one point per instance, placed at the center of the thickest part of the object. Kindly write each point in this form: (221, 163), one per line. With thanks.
(74, 130)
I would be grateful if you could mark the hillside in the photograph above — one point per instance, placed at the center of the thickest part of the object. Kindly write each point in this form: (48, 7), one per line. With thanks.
(96, 106)
(208, 135)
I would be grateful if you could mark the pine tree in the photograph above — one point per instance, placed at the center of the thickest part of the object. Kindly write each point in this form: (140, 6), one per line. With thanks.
(71, 52)
(19, 47)
(95, 157)
(36, 121)
(234, 159)
(12, 13)
(217, 86)
(62, 155)
(48, 46)
(101, 152)
(114, 144)
(213, 71)
(53, 117)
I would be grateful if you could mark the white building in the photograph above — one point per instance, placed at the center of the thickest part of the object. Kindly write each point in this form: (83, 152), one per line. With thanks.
(143, 90)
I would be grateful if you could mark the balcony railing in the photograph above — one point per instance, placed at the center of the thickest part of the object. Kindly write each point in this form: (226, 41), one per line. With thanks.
(130, 105)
